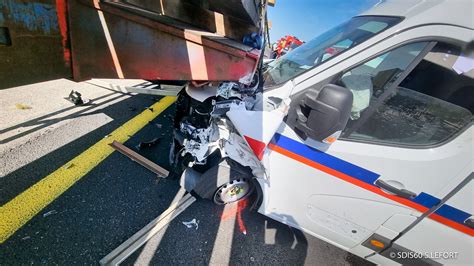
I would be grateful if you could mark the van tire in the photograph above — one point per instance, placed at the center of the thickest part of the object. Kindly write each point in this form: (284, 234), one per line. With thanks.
(223, 173)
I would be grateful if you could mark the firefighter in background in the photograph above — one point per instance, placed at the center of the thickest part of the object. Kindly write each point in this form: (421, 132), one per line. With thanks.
(284, 45)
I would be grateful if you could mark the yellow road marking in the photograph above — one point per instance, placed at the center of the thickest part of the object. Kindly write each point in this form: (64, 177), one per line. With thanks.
(17, 212)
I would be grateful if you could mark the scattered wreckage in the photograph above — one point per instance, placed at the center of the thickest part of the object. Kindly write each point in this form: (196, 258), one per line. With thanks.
(394, 87)
(209, 144)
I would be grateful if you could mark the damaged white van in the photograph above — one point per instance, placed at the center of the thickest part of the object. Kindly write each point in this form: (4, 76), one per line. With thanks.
(362, 137)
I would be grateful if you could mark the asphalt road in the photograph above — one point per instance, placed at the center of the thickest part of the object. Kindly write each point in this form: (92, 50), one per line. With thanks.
(220, 240)
(118, 197)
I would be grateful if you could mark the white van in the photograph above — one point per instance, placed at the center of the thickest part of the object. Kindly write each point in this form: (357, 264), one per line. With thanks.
(362, 137)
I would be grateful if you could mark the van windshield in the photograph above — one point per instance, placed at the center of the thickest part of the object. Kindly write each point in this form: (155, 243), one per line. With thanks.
(326, 46)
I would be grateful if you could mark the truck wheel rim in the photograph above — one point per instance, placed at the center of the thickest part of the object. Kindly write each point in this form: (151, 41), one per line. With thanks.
(232, 191)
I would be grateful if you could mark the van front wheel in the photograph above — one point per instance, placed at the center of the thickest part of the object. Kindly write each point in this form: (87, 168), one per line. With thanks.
(233, 191)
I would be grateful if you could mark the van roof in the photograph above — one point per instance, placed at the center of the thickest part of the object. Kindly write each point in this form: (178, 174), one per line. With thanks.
(417, 12)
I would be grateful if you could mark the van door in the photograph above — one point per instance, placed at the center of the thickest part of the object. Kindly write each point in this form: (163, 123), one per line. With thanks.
(404, 144)
(444, 233)
(431, 240)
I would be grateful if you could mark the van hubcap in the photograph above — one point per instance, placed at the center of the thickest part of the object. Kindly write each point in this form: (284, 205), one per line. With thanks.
(232, 191)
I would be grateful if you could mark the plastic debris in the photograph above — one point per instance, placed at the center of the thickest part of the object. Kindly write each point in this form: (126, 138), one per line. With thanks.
(148, 144)
(26, 238)
(192, 223)
(76, 98)
(50, 213)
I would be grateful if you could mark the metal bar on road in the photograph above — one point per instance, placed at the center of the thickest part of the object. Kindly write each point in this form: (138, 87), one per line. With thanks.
(166, 90)
(127, 248)
(160, 171)
(143, 88)
(23, 207)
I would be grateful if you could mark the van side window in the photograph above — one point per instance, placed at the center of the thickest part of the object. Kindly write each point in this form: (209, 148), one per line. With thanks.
(434, 102)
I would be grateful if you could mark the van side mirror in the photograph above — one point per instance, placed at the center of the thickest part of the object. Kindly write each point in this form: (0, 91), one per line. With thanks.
(321, 114)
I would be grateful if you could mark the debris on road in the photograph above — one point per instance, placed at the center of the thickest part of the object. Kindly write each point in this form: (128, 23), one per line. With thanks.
(22, 106)
(146, 233)
(76, 98)
(148, 144)
(160, 171)
(192, 223)
(69, 166)
(50, 213)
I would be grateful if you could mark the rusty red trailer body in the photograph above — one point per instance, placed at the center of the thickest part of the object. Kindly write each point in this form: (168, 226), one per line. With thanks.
(32, 46)
(124, 39)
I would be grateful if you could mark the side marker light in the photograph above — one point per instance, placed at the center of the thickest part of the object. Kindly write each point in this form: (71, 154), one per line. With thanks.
(377, 243)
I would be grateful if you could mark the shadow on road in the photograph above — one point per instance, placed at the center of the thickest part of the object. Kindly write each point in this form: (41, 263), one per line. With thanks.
(119, 197)
(226, 235)
(105, 207)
